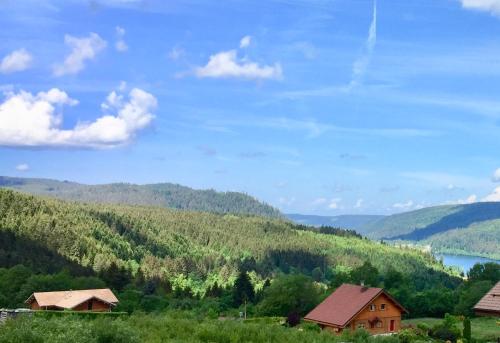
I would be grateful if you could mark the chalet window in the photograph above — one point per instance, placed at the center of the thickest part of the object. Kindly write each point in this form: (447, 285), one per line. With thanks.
(361, 325)
(379, 324)
(373, 307)
(89, 305)
(382, 307)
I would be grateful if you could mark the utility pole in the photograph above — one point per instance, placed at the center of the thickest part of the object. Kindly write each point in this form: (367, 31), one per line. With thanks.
(245, 308)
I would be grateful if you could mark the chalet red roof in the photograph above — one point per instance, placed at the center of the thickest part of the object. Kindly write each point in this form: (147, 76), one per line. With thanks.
(491, 301)
(71, 299)
(345, 303)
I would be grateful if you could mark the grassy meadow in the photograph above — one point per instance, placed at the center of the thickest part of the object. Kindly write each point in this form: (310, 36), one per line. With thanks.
(483, 328)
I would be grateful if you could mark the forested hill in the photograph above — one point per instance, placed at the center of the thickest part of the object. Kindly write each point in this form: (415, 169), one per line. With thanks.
(161, 194)
(187, 249)
(352, 222)
(472, 229)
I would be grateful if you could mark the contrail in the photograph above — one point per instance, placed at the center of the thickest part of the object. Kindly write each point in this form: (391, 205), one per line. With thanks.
(361, 64)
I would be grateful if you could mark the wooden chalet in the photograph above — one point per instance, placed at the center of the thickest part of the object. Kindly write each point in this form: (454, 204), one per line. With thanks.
(357, 307)
(97, 300)
(489, 305)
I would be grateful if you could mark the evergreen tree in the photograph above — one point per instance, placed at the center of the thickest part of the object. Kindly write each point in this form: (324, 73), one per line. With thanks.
(243, 290)
(116, 277)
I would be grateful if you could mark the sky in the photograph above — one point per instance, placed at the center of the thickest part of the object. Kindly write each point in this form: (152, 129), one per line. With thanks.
(317, 107)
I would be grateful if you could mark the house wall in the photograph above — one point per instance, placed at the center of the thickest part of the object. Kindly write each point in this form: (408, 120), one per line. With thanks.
(97, 306)
(484, 313)
(391, 312)
(34, 305)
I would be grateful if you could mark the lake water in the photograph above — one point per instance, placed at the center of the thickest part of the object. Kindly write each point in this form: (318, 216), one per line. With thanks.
(462, 261)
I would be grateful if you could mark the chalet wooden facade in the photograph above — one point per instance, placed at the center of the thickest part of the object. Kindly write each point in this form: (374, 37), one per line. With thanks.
(96, 300)
(489, 305)
(354, 307)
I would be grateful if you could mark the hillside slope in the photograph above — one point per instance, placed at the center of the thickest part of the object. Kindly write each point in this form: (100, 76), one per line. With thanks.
(353, 222)
(467, 229)
(161, 194)
(189, 249)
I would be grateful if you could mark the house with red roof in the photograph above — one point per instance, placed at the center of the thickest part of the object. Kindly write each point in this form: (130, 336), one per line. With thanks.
(96, 300)
(358, 307)
(489, 305)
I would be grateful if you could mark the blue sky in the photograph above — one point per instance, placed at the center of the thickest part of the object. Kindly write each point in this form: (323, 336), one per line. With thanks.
(324, 107)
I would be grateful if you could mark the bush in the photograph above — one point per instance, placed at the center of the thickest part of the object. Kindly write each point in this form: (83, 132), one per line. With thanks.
(308, 326)
(107, 331)
(407, 336)
(467, 330)
(19, 331)
(287, 294)
(293, 319)
(423, 329)
(447, 330)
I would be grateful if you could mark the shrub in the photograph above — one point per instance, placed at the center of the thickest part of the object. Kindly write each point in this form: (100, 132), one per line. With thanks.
(107, 331)
(293, 319)
(467, 330)
(447, 330)
(287, 294)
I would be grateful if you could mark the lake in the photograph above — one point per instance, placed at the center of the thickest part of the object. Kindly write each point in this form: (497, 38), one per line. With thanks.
(462, 261)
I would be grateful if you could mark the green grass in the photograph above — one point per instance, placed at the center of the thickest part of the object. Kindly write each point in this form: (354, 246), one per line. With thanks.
(172, 328)
(486, 329)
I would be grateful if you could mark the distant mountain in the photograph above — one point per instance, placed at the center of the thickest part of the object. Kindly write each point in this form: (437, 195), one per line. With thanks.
(353, 222)
(160, 194)
(472, 229)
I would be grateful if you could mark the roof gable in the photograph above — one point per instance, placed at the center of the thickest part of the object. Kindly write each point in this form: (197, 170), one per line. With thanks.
(345, 303)
(491, 300)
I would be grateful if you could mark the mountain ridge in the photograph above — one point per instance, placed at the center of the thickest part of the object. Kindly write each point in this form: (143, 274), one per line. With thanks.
(189, 249)
(472, 229)
(166, 194)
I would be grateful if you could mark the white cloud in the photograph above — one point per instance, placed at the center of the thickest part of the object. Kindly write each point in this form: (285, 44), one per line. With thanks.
(82, 49)
(469, 200)
(28, 120)
(122, 86)
(494, 196)
(334, 203)
(492, 6)
(361, 64)
(226, 64)
(404, 206)
(245, 42)
(22, 167)
(496, 175)
(359, 203)
(17, 60)
(120, 44)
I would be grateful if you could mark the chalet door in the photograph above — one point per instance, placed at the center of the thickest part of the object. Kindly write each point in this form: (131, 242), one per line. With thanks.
(392, 324)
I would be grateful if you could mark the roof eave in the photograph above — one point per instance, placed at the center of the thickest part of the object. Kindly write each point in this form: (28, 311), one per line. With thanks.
(325, 323)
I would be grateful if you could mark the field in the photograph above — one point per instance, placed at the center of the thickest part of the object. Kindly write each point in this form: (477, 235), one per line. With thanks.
(187, 327)
(483, 329)
(175, 327)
